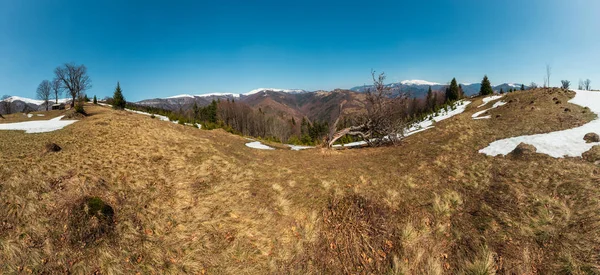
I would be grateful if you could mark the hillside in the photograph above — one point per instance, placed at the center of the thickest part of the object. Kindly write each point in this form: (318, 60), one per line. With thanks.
(184, 200)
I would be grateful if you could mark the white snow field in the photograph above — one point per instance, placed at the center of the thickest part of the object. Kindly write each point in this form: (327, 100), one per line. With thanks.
(258, 145)
(486, 100)
(560, 143)
(496, 105)
(38, 126)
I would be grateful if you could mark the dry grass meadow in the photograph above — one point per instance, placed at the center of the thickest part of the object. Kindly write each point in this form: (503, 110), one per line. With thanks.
(184, 200)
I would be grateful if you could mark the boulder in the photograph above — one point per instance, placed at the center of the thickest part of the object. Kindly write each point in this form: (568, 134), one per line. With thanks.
(591, 137)
(592, 155)
(52, 147)
(523, 149)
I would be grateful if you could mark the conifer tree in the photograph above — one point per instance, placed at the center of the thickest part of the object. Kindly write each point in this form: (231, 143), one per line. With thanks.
(486, 87)
(429, 99)
(95, 100)
(196, 111)
(501, 91)
(461, 92)
(118, 99)
(452, 92)
(522, 87)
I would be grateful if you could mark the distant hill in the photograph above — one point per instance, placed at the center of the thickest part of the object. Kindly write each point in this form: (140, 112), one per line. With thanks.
(19, 104)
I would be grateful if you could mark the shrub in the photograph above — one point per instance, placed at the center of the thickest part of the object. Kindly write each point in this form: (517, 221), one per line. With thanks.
(79, 108)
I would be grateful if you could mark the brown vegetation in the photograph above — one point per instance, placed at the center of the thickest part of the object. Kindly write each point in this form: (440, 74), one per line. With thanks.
(192, 201)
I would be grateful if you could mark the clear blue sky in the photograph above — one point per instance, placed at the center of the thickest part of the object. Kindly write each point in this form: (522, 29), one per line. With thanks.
(163, 48)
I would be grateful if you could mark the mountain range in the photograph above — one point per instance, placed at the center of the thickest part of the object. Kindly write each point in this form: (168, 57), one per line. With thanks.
(288, 103)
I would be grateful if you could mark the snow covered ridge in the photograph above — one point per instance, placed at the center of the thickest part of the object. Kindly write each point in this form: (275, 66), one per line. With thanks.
(418, 82)
(289, 91)
(38, 126)
(35, 101)
(557, 144)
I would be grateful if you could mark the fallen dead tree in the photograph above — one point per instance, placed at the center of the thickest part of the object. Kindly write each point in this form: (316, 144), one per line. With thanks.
(383, 121)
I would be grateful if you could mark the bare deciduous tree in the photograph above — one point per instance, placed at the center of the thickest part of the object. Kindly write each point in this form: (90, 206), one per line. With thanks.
(385, 118)
(587, 84)
(565, 84)
(43, 92)
(74, 79)
(533, 85)
(57, 88)
(580, 86)
(548, 73)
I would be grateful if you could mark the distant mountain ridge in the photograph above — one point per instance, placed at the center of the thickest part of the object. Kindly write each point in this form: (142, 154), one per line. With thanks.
(418, 88)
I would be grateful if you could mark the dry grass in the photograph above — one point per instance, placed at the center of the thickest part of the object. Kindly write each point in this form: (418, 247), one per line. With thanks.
(194, 201)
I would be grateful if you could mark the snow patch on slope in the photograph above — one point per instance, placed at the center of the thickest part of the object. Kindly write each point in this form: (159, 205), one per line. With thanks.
(496, 105)
(560, 143)
(486, 100)
(39, 126)
(258, 145)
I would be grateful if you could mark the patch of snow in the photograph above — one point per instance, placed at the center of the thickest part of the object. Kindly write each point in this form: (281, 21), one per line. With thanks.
(41, 115)
(39, 126)
(496, 105)
(418, 82)
(291, 91)
(482, 117)
(163, 118)
(426, 124)
(486, 100)
(514, 85)
(560, 143)
(466, 84)
(258, 145)
(29, 115)
(299, 147)
(351, 144)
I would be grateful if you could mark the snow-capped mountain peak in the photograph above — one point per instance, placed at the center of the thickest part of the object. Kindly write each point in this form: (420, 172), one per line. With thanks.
(180, 96)
(34, 101)
(218, 94)
(290, 91)
(418, 82)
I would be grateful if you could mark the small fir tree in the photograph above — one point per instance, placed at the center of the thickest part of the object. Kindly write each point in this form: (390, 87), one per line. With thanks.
(118, 99)
(95, 100)
(486, 87)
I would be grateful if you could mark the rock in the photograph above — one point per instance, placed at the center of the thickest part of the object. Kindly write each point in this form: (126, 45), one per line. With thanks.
(558, 102)
(555, 99)
(52, 147)
(523, 149)
(592, 155)
(497, 116)
(591, 137)
(567, 110)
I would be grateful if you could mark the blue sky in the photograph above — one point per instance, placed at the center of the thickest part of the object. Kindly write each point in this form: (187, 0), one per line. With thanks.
(164, 48)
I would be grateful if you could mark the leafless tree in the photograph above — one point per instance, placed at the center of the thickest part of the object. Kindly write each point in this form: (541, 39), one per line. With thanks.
(385, 118)
(580, 86)
(533, 85)
(6, 104)
(43, 92)
(57, 88)
(565, 84)
(74, 79)
(587, 84)
(548, 73)
(545, 82)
